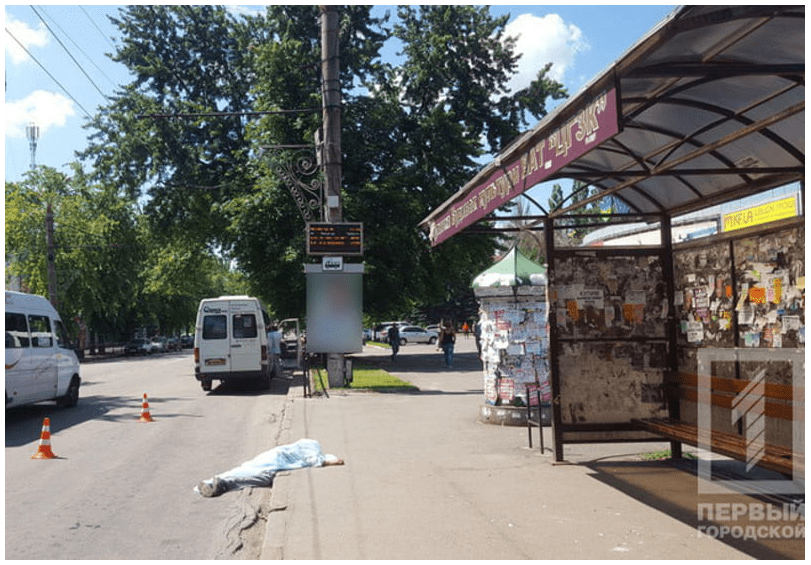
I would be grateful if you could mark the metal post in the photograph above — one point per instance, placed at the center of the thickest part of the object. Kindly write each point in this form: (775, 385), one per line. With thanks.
(554, 352)
(671, 320)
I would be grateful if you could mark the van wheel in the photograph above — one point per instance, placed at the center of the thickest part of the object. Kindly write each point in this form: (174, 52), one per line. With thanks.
(71, 397)
(206, 384)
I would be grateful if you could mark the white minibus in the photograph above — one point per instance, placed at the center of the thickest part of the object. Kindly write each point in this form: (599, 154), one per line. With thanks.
(39, 362)
(231, 342)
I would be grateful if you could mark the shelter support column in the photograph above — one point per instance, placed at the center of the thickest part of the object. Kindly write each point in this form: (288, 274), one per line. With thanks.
(670, 291)
(554, 348)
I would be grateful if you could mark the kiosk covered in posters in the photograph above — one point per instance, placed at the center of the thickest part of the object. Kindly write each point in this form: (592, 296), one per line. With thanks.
(513, 311)
(707, 108)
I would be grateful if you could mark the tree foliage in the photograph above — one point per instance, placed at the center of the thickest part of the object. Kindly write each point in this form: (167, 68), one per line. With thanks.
(110, 271)
(412, 134)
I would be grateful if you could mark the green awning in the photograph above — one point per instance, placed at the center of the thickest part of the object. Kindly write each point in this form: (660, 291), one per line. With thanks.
(514, 269)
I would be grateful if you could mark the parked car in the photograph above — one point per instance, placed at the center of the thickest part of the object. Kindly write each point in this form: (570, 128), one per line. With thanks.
(138, 346)
(159, 343)
(186, 341)
(381, 331)
(416, 334)
(173, 344)
(367, 335)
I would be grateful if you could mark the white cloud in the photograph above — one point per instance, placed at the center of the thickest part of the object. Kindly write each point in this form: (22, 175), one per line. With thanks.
(544, 40)
(46, 109)
(27, 36)
(239, 10)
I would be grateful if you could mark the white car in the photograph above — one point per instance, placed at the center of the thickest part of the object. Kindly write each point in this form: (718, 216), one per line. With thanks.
(416, 334)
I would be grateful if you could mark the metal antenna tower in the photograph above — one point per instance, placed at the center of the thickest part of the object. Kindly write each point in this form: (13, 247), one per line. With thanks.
(32, 133)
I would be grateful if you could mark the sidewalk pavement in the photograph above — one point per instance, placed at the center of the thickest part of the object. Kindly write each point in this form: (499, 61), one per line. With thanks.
(425, 479)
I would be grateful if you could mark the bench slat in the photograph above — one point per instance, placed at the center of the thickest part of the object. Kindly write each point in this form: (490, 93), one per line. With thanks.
(772, 409)
(722, 384)
(776, 458)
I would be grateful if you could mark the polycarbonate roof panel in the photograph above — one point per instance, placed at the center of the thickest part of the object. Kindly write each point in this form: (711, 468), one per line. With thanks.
(710, 106)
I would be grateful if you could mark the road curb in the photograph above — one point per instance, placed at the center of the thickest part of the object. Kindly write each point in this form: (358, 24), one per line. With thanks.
(273, 546)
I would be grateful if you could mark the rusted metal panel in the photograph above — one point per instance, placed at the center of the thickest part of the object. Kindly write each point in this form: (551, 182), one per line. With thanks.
(612, 382)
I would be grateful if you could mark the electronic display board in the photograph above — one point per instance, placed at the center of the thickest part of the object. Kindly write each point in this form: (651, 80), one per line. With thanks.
(335, 239)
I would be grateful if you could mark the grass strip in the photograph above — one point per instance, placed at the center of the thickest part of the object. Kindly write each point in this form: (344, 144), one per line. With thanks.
(368, 377)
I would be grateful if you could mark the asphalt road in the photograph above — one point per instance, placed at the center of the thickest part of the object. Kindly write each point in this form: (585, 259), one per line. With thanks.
(122, 489)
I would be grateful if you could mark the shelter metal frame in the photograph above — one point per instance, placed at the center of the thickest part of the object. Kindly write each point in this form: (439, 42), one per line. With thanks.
(706, 108)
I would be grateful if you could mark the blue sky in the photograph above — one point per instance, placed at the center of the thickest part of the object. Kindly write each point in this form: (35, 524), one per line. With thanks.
(67, 74)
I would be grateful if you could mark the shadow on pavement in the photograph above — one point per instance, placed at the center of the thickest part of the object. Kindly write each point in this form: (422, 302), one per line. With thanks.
(278, 387)
(670, 486)
(24, 424)
(413, 362)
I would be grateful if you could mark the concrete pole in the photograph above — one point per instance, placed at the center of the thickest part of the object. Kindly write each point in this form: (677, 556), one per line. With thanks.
(331, 95)
(50, 254)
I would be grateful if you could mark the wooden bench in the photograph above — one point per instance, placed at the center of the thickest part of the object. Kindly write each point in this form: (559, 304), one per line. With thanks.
(723, 394)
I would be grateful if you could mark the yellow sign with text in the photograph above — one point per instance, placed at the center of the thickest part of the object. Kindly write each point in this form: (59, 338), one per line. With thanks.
(777, 210)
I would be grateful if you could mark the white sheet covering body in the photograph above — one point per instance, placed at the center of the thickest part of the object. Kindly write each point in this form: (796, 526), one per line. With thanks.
(259, 471)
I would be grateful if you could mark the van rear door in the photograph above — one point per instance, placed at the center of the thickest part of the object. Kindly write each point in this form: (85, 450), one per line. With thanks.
(244, 343)
(216, 346)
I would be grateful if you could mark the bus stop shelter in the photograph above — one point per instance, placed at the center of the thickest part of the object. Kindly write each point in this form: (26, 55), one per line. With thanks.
(707, 108)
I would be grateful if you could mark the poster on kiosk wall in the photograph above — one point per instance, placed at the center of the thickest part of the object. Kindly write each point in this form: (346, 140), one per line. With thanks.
(334, 309)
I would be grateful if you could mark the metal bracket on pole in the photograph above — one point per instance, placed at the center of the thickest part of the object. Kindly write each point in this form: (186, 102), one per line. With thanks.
(297, 167)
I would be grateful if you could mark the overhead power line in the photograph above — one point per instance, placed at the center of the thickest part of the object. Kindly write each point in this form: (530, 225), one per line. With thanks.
(69, 54)
(228, 114)
(65, 90)
(107, 39)
(79, 47)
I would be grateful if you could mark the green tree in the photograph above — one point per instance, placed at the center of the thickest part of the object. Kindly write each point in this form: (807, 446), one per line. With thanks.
(579, 191)
(411, 136)
(176, 129)
(98, 251)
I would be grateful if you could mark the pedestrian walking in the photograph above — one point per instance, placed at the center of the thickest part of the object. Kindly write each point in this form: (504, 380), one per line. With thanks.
(477, 334)
(466, 329)
(394, 340)
(447, 339)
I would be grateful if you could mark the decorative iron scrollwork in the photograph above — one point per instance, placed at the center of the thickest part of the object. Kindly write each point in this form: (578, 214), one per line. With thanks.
(297, 168)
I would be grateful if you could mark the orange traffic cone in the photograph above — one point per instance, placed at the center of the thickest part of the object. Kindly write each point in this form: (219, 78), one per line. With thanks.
(145, 416)
(44, 449)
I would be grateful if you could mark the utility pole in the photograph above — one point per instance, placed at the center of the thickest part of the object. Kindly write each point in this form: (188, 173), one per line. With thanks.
(51, 254)
(331, 96)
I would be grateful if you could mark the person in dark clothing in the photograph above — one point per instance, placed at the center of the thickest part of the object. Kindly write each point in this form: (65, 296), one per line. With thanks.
(394, 340)
(447, 339)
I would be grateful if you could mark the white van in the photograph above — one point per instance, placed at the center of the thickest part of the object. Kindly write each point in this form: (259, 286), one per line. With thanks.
(39, 362)
(231, 342)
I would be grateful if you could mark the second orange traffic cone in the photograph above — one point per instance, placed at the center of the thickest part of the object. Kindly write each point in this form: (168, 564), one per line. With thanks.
(145, 416)
(44, 449)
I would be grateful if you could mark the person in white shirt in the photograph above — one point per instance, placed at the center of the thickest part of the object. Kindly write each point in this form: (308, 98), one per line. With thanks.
(275, 349)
